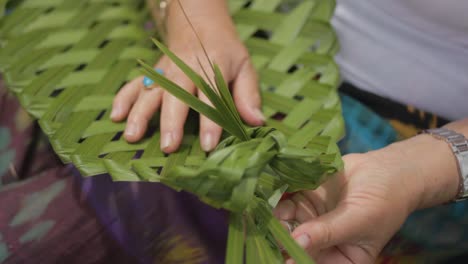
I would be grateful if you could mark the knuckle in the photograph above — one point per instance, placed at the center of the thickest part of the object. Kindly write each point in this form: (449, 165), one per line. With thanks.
(215, 54)
(139, 118)
(353, 157)
(354, 161)
(138, 115)
(324, 233)
(243, 53)
(150, 94)
(244, 57)
(162, 59)
(132, 120)
(133, 84)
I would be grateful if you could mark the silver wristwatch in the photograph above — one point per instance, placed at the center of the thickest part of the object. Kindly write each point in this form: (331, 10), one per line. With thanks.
(459, 145)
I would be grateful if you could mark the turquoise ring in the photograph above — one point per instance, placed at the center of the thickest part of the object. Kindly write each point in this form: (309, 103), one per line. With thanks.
(148, 83)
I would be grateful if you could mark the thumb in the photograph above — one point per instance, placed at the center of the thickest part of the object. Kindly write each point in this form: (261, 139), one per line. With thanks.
(347, 224)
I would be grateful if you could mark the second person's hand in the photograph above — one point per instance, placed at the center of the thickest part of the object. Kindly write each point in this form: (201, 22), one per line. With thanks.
(218, 35)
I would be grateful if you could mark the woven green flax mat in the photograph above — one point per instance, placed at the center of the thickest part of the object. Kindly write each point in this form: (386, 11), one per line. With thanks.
(65, 61)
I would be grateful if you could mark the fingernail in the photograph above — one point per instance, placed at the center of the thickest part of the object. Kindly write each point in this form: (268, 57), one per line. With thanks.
(285, 210)
(207, 143)
(166, 140)
(132, 129)
(259, 115)
(303, 240)
(290, 261)
(115, 112)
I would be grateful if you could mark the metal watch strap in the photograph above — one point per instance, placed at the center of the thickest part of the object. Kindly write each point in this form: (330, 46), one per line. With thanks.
(459, 145)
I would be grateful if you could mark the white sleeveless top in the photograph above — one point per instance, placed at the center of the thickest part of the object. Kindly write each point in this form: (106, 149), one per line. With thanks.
(413, 51)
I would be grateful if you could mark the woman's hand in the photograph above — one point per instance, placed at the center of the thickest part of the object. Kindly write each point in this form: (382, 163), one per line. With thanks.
(352, 216)
(218, 35)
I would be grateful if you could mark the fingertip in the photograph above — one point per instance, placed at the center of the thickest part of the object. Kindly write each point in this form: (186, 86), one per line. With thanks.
(166, 142)
(170, 141)
(303, 240)
(134, 131)
(210, 139)
(259, 115)
(210, 132)
(256, 118)
(207, 141)
(322, 235)
(117, 113)
(173, 116)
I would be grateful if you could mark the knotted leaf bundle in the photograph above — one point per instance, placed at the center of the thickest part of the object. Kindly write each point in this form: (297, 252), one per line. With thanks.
(230, 177)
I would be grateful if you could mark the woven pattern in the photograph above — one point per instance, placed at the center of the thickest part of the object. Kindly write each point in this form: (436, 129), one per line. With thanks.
(65, 60)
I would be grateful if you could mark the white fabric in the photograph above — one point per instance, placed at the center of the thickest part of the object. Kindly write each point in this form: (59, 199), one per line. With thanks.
(413, 51)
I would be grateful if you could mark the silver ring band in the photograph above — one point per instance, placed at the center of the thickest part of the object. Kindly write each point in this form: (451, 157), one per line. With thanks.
(291, 225)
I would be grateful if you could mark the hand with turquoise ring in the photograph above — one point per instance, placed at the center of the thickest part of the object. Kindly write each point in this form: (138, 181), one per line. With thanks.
(140, 98)
(148, 83)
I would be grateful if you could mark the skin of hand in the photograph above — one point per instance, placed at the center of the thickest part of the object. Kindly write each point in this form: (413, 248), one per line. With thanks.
(351, 217)
(216, 30)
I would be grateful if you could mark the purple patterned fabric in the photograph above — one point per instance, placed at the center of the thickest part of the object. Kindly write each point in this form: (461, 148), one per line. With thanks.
(157, 224)
(43, 218)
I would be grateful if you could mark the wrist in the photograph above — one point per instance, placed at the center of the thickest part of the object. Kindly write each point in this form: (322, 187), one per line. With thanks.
(431, 169)
(397, 162)
(159, 10)
(208, 17)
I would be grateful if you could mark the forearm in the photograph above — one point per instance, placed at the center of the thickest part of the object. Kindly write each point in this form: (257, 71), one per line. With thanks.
(429, 166)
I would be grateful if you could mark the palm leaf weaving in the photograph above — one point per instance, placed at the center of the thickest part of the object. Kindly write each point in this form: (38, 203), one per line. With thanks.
(65, 61)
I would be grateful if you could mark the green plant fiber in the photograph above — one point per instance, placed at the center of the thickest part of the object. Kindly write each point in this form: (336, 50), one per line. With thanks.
(66, 60)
